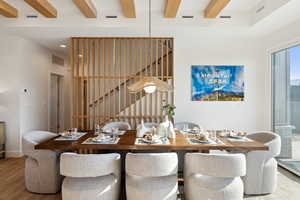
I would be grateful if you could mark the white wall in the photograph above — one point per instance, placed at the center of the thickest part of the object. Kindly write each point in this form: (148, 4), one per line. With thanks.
(26, 65)
(216, 49)
(9, 90)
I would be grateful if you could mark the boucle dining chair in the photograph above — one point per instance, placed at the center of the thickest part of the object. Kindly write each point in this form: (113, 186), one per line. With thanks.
(151, 176)
(121, 125)
(149, 125)
(214, 176)
(41, 166)
(261, 177)
(92, 177)
(183, 125)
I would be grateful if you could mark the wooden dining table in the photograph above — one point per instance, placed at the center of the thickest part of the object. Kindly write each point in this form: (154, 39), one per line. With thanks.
(127, 143)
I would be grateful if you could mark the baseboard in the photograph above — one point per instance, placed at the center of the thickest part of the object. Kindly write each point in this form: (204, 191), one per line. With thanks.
(13, 154)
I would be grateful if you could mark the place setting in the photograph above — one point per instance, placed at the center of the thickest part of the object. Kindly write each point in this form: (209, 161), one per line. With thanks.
(102, 139)
(208, 137)
(149, 138)
(70, 135)
(235, 136)
(105, 135)
(190, 131)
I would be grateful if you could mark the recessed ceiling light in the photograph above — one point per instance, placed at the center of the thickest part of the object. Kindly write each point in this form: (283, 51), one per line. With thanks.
(187, 16)
(111, 16)
(63, 46)
(80, 55)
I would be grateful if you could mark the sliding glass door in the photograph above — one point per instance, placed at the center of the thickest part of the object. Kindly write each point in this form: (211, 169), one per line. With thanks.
(286, 105)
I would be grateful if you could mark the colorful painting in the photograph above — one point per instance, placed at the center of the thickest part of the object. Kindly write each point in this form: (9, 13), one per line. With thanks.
(217, 83)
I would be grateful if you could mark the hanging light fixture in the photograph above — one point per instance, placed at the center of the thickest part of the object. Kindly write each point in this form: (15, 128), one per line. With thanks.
(150, 84)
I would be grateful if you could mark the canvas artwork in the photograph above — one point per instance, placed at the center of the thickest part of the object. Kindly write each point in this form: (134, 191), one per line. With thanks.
(217, 83)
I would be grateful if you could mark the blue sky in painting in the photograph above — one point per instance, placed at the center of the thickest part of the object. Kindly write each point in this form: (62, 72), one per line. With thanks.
(230, 80)
(295, 62)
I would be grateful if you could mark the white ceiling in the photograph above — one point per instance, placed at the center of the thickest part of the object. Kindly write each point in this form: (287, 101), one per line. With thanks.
(71, 22)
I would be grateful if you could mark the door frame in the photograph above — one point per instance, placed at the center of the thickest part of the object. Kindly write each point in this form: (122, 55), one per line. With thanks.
(61, 107)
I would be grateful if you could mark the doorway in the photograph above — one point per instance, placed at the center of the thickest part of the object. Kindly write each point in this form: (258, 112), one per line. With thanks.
(56, 103)
(286, 105)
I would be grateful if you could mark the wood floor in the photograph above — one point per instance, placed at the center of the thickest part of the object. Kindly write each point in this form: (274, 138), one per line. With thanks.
(12, 184)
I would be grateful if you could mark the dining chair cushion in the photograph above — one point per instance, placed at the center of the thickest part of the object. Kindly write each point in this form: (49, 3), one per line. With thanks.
(151, 164)
(233, 165)
(89, 165)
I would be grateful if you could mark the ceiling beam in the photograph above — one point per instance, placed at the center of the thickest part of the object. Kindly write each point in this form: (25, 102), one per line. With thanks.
(7, 10)
(172, 7)
(214, 8)
(128, 7)
(43, 7)
(87, 8)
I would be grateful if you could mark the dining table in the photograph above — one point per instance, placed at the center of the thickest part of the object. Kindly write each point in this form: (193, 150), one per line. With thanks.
(127, 143)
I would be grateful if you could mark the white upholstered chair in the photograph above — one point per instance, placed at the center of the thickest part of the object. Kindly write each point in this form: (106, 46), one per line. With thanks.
(149, 124)
(261, 177)
(90, 177)
(182, 125)
(151, 176)
(121, 125)
(41, 166)
(214, 176)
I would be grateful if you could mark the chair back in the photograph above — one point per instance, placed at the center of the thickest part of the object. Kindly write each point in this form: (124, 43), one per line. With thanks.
(121, 125)
(89, 165)
(216, 165)
(271, 139)
(189, 125)
(151, 164)
(148, 125)
(33, 138)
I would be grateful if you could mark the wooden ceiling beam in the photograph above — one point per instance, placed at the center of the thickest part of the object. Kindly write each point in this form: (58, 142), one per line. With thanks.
(43, 7)
(172, 7)
(214, 8)
(87, 8)
(8, 10)
(128, 7)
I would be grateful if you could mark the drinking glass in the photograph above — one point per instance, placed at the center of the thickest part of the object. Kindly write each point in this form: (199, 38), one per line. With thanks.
(97, 129)
(185, 127)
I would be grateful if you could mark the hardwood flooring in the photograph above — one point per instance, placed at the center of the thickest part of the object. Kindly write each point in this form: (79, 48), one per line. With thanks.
(12, 184)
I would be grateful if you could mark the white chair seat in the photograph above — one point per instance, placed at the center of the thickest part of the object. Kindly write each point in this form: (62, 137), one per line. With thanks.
(156, 188)
(214, 188)
(97, 188)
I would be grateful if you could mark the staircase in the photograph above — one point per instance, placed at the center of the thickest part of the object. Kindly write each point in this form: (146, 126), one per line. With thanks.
(117, 100)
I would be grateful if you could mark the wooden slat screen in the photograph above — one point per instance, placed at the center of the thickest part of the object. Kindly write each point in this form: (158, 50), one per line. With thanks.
(103, 68)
